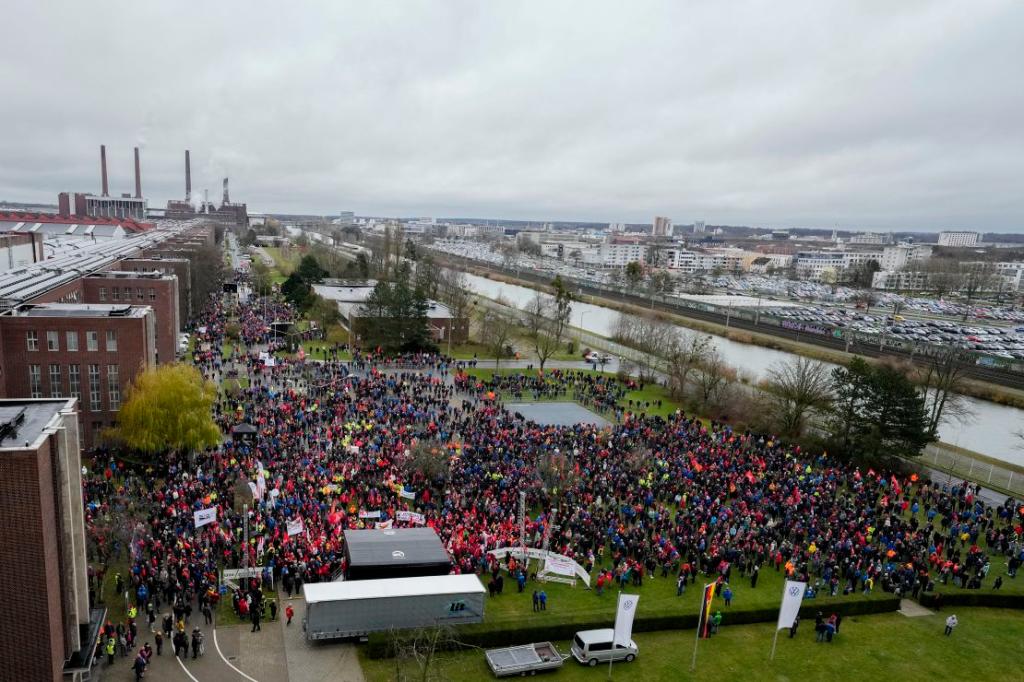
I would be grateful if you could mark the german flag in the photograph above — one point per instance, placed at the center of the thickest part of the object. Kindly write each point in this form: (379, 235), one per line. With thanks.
(704, 621)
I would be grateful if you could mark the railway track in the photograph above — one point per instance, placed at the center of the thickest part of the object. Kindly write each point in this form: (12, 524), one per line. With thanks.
(991, 375)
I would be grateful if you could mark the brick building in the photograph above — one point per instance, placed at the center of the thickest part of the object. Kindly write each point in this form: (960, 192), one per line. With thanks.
(179, 267)
(155, 289)
(88, 352)
(50, 631)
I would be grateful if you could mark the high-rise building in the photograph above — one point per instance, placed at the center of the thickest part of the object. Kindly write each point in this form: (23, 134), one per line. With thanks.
(698, 227)
(42, 544)
(661, 227)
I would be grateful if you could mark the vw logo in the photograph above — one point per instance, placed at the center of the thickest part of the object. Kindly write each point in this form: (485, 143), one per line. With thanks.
(628, 604)
(398, 554)
(794, 591)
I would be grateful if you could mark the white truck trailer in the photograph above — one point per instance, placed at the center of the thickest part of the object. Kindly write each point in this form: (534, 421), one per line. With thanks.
(354, 608)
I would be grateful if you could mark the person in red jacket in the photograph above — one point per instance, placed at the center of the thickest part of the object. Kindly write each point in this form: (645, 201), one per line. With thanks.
(289, 612)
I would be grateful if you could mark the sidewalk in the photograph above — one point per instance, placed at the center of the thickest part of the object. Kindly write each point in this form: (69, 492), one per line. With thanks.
(275, 654)
(315, 661)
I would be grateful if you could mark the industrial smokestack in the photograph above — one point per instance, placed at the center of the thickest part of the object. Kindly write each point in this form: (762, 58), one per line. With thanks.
(227, 199)
(138, 176)
(103, 168)
(188, 178)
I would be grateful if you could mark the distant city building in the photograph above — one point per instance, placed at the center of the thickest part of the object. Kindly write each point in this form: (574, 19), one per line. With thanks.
(819, 265)
(698, 227)
(899, 256)
(42, 544)
(346, 217)
(1012, 275)
(900, 280)
(617, 255)
(870, 238)
(661, 227)
(616, 227)
(962, 239)
(127, 206)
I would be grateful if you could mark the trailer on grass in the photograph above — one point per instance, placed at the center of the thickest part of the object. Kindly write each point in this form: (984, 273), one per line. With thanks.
(527, 659)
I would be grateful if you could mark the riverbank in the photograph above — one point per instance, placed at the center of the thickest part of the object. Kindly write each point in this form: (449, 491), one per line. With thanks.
(999, 395)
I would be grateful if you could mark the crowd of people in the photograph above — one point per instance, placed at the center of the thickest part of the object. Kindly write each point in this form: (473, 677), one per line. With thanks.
(677, 496)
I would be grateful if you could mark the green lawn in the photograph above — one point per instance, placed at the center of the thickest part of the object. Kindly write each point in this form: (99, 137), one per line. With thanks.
(314, 351)
(658, 597)
(466, 351)
(987, 645)
(282, 265)
(651, 392)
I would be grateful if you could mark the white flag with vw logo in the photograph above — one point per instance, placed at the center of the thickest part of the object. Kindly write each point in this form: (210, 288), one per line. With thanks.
(624, 618)
(791, 598)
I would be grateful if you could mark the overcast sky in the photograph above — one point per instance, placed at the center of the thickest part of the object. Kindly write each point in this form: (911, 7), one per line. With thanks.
(876, 115)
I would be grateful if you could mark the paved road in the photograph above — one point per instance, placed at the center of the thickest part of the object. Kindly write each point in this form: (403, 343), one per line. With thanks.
(278, 653)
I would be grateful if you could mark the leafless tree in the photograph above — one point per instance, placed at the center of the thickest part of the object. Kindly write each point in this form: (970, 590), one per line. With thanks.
(684, 359)
(976, 278)
(940, 376)
(800, 386)
(415, 653)
(429, 458)
(496, 329)
(943, 275)
(714, 379)
(541, 328)
(659, 284)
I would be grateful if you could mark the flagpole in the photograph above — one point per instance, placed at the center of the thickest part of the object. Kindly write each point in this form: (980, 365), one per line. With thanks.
(775, 640)
(696, 640)
(700, 619)
(613, 637)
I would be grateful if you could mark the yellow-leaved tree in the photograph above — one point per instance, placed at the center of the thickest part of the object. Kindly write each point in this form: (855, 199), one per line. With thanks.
(168, 408)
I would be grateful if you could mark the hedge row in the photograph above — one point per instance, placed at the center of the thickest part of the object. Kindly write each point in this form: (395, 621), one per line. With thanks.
(501, 634)
(973, 598)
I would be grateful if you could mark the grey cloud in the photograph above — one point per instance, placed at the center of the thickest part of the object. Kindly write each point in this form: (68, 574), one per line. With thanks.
(876, 115)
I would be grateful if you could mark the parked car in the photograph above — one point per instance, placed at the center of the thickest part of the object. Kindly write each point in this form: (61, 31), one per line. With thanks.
(591, 647)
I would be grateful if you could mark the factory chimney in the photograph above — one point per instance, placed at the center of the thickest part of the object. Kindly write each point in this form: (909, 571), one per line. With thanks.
(227, 199)
(138, 176)
(188, 178)
(103, 168)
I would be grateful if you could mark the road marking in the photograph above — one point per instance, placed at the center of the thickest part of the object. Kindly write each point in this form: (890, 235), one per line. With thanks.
(229, 663)
(190, 675)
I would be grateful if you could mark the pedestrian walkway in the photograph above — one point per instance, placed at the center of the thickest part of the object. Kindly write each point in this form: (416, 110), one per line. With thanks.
(277, 653)
(317, 661)
(911, 609)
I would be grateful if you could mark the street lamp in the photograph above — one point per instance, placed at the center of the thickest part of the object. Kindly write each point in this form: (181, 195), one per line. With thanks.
(579, 330)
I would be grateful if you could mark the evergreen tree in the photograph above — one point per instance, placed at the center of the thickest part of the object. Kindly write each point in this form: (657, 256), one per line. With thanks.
(877, 412)
(394, 316)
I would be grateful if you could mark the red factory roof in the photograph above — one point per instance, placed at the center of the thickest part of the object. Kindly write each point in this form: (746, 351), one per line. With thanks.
(127, 223)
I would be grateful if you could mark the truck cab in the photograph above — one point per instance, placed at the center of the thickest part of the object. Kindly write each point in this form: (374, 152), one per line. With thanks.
(591, 647)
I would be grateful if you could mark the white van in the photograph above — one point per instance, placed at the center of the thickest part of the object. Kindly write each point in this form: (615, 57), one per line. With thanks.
(595, 646)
